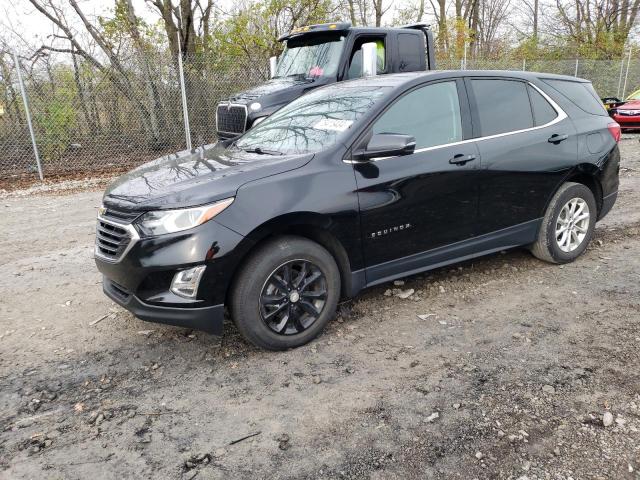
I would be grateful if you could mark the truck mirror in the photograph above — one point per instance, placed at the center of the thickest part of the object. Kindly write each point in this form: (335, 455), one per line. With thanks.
(369, 59)
(273, 63)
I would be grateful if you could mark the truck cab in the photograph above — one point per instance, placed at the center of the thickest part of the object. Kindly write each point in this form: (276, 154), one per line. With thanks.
(317, 55)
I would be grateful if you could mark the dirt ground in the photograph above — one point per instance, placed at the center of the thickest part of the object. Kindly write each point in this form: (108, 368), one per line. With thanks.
(504, 367)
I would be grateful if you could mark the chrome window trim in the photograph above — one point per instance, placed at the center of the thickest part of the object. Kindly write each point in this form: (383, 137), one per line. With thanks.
(561, 115)
(134, 239)
(246, 116)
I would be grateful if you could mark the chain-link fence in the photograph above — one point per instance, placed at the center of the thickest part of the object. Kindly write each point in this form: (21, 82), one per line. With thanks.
(608, 76)
(88, 119)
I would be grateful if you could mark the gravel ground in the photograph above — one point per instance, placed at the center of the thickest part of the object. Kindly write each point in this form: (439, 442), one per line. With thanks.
(504, 367)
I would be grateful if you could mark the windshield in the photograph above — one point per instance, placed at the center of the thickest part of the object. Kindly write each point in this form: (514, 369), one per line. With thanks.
(313, 122)
(634, 96)
(311, 58)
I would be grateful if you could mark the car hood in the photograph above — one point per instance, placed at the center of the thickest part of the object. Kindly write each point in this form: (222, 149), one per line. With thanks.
(194, 177)
(630, 105)
(278, 91)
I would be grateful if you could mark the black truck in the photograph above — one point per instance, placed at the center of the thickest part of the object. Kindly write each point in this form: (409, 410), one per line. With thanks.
(317, 55)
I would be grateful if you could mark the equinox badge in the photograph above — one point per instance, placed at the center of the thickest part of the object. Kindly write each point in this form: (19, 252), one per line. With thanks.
(387, 231)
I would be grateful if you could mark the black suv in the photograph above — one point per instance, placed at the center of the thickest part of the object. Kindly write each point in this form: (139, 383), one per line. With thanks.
(356, 184)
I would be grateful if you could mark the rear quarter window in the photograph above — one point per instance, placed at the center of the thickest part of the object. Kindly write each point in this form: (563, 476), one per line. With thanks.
(543, 112)
(581, 94)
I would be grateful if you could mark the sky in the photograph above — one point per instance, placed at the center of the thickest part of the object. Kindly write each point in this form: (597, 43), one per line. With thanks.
(21, 16)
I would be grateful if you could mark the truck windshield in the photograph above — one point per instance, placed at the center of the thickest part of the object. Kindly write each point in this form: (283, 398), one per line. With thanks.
(311, 58)
(313, 122)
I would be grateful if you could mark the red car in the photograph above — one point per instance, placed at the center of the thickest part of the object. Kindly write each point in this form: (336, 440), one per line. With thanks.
(628, 114)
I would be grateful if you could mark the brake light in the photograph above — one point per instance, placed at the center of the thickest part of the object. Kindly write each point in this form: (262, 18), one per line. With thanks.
(614, 130)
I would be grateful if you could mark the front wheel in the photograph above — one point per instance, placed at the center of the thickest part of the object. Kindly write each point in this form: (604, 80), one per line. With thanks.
(286, 293)
(568, 224)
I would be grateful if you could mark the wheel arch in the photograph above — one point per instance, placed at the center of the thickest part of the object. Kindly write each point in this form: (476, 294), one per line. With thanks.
(587, 175)
(313, 226)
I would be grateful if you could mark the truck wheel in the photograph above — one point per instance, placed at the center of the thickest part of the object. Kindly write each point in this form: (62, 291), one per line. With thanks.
(568, 224)
(286, 293)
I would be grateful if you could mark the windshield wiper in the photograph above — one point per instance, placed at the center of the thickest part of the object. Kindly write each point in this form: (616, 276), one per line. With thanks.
(302, 77)
(262, 151)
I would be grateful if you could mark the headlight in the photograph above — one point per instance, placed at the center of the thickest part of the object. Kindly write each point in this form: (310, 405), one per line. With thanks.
(171, 221)
(255, 107)
(258, 120)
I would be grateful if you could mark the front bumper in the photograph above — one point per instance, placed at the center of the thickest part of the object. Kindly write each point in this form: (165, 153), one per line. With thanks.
(208, 319)
(140, 280)
(628, 121)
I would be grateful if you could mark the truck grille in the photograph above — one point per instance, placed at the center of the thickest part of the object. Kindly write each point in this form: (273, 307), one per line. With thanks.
(113, 240)
(231, 118)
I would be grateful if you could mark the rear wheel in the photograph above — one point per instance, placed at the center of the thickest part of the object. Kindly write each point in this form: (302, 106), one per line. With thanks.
(286, 293)
(568, 224)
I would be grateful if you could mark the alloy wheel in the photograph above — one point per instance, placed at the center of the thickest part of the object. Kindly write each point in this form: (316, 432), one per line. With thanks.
(572, 224)
(293, 297)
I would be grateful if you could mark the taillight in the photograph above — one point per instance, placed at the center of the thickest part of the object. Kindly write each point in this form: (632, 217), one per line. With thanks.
(614, 130)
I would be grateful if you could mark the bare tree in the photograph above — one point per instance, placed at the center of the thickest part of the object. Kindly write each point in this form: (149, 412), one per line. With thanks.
(490, 16)
(379, 10)
(440, 12)
(590, 23)
(114, 69)
(188, 19)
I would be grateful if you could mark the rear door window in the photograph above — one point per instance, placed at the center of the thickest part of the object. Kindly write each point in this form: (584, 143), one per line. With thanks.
(503, 106)
(410, 52)
(431, 114)
(543, 112)
(581, 94)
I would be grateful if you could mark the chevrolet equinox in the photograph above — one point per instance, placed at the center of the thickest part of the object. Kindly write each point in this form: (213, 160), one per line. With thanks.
(352, 185)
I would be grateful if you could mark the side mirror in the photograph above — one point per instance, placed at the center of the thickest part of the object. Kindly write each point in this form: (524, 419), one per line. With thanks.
(273, 63)
(386, 145)
(369, 59)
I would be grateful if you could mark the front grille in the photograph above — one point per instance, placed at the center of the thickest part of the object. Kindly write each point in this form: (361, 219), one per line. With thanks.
(231, 118)
(120, 216)
(628, 113)
(112, 240)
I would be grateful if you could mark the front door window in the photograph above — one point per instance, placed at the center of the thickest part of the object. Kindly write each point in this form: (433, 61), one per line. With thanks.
(431, 114)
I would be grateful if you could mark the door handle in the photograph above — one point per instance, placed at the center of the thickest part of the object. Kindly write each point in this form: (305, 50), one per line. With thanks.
(556, 139)
(461, 159)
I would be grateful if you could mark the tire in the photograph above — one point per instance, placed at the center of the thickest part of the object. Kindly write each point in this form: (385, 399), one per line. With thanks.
(273, 317)
(558, 248)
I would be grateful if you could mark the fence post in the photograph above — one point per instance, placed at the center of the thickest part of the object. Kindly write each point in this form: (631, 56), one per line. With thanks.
(185, 112)
(524, 64)
(576, 73)
(620, 77)
(465, 55)
(626, 76)
(27, 113)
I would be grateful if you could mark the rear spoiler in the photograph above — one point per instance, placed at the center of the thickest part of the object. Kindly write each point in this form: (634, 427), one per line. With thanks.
(426, 29)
